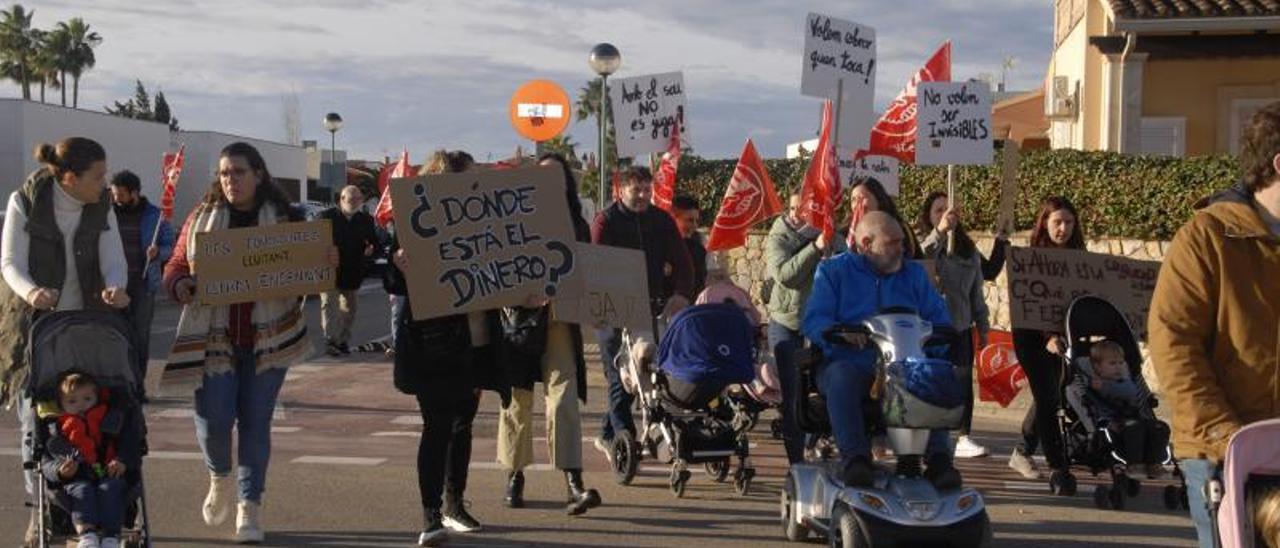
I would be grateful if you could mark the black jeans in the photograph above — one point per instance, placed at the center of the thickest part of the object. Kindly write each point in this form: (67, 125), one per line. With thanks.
(962, 354)
(1044, 373)
(617, 418)
(444, 451)
(784, 342)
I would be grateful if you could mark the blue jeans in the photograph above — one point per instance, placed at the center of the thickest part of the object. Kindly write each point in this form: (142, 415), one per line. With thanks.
(784, 341)
(27, 421)
(618, 416)
(397, 304)
(845, 385)
(98, 504)
(246, 400)
(1197, 473)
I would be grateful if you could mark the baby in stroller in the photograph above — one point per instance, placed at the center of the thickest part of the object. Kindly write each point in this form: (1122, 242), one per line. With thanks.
(1105, 396)
(1246, 500)
(83, 463)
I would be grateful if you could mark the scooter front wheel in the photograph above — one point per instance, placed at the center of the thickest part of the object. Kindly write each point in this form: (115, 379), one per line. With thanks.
(845, 532)
(793, 530)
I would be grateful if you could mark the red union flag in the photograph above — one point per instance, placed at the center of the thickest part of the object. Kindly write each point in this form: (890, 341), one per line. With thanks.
(856, 213)
(999, 375)
(664, 181)
(895, 133)
(820, 192)
(400, 170)
(749, 199)
(170, 172)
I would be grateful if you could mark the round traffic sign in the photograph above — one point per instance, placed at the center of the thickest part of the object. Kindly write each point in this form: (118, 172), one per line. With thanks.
(540, 110)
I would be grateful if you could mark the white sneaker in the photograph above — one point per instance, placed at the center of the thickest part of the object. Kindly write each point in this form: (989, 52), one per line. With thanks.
(248, 523)
(604, 446)
(217, 504)
(110, 542)
(966, 448)
(1023, 464)
(88, 540)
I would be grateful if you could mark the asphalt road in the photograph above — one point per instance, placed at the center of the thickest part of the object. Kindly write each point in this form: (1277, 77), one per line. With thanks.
(343, 475)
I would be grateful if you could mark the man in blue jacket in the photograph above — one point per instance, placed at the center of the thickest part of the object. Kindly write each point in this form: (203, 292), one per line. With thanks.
(848, 289)
(148, 243)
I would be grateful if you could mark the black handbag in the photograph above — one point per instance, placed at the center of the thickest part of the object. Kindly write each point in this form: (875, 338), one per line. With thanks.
(524, 330)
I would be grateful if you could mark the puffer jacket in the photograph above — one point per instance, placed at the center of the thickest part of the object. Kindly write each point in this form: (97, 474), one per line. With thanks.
(792, 260)
(1213, 323)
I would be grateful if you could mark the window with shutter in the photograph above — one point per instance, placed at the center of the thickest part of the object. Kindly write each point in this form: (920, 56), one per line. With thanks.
(1164, 136)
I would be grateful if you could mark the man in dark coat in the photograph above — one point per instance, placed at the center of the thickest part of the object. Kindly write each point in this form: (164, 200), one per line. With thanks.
(356, 238)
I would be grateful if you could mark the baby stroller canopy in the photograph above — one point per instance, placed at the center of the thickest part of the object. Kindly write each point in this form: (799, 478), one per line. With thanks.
(709, 343)
(97, 343)
(1255, 449)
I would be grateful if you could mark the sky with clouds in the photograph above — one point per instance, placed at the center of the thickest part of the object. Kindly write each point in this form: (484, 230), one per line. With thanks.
(428, 74)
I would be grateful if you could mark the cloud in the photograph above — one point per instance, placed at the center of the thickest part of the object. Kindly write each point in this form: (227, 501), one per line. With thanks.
(439, 74)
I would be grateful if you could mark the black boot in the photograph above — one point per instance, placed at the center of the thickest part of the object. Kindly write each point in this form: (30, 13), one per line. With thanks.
(515, 490)
(580, 499)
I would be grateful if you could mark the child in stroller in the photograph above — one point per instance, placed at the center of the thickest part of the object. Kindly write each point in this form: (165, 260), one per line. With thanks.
(1106, 415)
(1246, 500)
(83, 461)
(1105, 397)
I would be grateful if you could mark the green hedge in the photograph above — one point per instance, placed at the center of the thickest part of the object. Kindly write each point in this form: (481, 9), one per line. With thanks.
(1142, 197)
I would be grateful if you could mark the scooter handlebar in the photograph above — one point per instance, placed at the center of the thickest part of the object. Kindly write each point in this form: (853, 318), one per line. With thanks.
(836, 334)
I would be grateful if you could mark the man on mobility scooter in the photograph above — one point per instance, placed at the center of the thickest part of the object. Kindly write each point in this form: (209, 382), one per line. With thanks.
(847, 290)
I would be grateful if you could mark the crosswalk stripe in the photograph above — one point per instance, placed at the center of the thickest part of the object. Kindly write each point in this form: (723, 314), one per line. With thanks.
(176, 455)
(408, 420)
(397, 434)
(285, 429)
(346, 461)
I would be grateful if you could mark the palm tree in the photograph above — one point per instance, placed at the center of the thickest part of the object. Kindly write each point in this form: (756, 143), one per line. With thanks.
(80, 58)
(57, 50)
(564, 146)
(17, 45)
(588, 106)
(45, 63)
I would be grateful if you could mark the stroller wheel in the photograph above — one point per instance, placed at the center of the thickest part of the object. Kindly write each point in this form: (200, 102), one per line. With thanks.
(1062, 483)
(1102, 497)
(1117, 499)
(1172, 497)
(625, 458)
(1132, 487)
(679, 480)
(1186, 505)
(775, 429)
(717, 470)
(742, 481)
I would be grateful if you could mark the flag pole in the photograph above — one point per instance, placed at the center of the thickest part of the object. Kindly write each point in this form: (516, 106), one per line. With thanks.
(951, 204)
(835, 145)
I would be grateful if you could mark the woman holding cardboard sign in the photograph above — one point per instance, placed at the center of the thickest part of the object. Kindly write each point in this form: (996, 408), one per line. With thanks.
(244, 348)
(540, 349)
(443, 362)
(1057, 226)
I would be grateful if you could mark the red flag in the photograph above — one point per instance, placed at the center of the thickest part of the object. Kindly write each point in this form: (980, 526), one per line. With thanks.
(820, 192)
(749, 199)
(170, 172)
(857, 210)
(398, 171)
(895, 133)
(664, 181)
(616, 182)
(999, 375)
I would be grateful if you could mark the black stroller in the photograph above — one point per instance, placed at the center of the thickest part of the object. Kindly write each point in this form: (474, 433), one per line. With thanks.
(1089, 321)
(99, 344)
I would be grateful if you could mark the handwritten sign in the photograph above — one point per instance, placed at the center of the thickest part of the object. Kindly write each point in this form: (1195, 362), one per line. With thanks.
(616, 292)
(1008, 187)
(645, 111)
(881, 168)
(954, 125)
(837, 51)
(242, 265)
(1043, 282)
(485, 239)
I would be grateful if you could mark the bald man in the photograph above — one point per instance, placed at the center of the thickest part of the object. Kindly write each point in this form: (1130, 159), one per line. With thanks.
(848, 289)
(356, 237)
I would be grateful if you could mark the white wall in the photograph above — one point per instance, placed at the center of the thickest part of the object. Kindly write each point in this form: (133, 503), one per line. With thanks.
(1069, 60)
(201, 164)
(130, 144)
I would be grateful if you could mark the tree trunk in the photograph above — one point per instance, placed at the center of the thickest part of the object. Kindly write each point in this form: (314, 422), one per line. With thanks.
(42, 90)
(75, 91)
(26, 83)
(64, 88)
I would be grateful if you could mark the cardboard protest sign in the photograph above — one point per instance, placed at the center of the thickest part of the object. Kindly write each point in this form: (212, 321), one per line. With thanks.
(645, 111)
(242, 265)
(482, 240)
(841, 54)
(1043, 282)
(954, 125)
(615, 292)
(881, 168)
(1008, 187)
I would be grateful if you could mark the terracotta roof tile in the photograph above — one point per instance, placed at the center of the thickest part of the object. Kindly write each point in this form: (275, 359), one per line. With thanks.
(1163, 9)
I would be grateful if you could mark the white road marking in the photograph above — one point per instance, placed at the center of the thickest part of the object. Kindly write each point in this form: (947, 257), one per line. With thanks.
(285, 429)
(10, 452)
(408, 420)
(397, 434)
(498, 466)
(175, 413)
(1043, 487)
(345, 461)
(176, 455)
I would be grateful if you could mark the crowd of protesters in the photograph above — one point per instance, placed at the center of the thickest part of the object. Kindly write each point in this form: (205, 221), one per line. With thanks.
(71, 244)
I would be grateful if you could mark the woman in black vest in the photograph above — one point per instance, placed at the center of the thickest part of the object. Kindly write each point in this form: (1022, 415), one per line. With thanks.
(61, 251)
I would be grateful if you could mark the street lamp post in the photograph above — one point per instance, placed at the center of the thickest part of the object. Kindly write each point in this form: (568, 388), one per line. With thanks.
(333, 123)
(604, 60)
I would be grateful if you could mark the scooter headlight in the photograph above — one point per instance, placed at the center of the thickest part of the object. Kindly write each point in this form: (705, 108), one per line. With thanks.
(874, 502)
(922, 511)
(966, 502)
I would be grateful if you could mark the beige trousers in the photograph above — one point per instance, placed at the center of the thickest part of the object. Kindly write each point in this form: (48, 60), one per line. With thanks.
(564, 425)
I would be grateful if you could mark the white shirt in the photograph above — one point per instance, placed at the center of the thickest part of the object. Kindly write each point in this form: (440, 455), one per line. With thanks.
(16, 245)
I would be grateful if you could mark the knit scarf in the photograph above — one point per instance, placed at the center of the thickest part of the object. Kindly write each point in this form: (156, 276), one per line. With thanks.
(203, 337)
